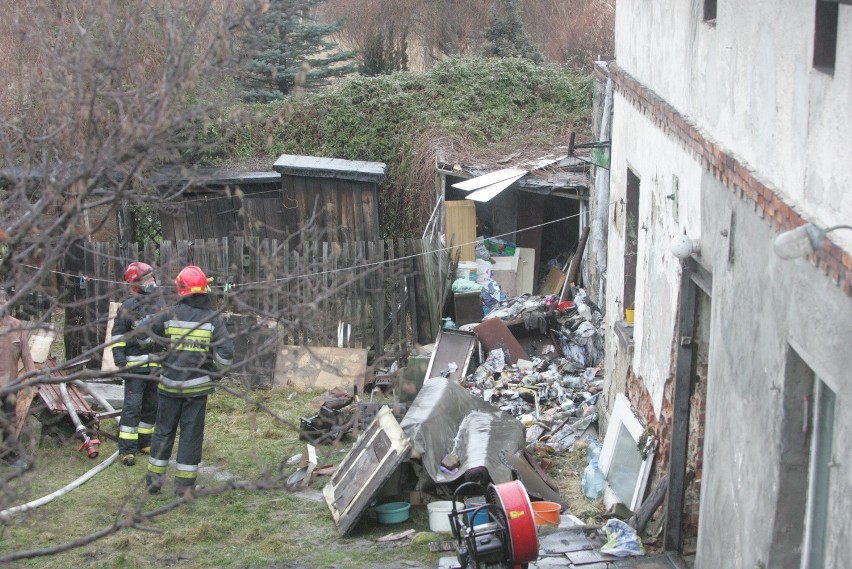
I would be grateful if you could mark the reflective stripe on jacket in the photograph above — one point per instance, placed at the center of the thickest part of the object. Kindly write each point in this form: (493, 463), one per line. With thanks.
(199, 345)
(131, 342)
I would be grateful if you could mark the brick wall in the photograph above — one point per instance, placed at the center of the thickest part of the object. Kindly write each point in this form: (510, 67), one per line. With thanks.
(834, 262)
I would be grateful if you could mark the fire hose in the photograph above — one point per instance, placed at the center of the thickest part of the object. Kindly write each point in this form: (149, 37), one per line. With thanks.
(66, 399)
(90, 445)
(4, 514)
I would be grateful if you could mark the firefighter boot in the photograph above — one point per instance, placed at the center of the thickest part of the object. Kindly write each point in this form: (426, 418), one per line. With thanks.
(153, 483)
(184, 486)
(128, 459)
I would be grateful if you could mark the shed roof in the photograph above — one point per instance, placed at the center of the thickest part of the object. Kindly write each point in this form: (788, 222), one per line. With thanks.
(320, 167)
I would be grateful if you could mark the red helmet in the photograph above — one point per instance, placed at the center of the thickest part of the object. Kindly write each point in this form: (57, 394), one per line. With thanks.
(135, 272)
(191, 280)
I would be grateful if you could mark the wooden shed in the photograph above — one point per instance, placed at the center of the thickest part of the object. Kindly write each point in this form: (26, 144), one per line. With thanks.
(334, 199)
(342, 193)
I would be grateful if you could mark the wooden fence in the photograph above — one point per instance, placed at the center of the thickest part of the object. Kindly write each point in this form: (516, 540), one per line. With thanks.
(390, 292)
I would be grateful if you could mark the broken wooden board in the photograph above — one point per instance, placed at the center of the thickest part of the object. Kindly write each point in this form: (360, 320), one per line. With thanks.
(553, 282)
(107, 363)
(373, 459)
(40, 342)
(308, 368)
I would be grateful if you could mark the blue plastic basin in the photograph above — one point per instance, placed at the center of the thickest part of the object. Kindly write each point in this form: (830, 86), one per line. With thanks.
(393, 512)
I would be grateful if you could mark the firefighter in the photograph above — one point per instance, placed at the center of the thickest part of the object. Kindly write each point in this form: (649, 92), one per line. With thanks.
(132, 350)
(199, 348)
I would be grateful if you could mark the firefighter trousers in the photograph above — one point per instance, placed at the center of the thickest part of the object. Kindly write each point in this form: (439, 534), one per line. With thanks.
(138, 413)
(188, 413)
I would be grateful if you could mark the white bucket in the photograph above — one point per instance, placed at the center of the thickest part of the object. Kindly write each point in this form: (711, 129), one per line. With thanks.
(439, 515)
(466, 270)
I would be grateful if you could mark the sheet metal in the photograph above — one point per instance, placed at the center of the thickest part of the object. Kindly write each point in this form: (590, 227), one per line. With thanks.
(446, 418)
(489, 179)
(493, 333)
(50, 394)
(488, 192)
(452, 346)
(324, 167)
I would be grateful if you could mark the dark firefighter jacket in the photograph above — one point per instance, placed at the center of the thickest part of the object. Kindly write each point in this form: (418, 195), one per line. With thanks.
(131, 342)
(198, 343)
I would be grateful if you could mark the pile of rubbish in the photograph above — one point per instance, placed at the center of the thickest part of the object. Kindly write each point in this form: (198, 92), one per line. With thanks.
(554, 392)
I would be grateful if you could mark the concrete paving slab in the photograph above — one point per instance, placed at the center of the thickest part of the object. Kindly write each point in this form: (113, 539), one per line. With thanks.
(659, 561)
(563, 542)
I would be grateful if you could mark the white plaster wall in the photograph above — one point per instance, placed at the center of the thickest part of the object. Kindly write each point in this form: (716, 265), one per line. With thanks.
(655, 159)
(761, 306)
(748, 83)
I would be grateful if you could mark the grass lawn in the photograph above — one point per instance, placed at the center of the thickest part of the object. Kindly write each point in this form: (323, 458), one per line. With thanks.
(247, 439)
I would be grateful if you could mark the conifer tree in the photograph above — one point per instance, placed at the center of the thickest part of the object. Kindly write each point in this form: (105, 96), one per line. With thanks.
(289, 48)
(505, 36)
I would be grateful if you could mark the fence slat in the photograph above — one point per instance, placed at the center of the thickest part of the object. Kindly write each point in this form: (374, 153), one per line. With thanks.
(383, 292)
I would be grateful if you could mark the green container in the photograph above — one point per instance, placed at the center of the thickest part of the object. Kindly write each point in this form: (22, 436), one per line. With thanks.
(393, 512)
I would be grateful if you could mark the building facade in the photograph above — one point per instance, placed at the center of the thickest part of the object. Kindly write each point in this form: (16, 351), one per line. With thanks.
(732, 124)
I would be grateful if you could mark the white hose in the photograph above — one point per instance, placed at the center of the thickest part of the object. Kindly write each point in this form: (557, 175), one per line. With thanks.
(50, 497)
(69, 406)
(97, 397)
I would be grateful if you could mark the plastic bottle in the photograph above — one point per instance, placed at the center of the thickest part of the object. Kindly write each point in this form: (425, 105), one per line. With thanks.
(593, 451)
(593, 481)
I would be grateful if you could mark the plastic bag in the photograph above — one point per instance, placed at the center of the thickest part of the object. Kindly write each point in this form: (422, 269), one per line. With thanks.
(464, 285)
(622, 540)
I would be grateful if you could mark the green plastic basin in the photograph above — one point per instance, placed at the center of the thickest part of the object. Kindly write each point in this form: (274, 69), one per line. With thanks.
(393, 512)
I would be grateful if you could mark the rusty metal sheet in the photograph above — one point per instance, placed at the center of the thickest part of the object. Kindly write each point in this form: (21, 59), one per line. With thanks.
(493, 333)
(373, 459)
(51, 396)
(453, 346)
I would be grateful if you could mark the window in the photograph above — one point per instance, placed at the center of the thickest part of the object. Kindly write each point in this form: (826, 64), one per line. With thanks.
(820, 476)
(825, 35)
(709, 10)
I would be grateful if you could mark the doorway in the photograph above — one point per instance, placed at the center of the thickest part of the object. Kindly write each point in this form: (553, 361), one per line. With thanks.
(686, 462)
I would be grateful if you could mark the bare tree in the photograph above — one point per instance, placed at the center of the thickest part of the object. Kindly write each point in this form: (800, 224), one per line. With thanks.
(575, 32)
(98, 95)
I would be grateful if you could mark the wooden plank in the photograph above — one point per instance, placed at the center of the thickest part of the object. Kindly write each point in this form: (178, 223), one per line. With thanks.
(363, 293)
(680, 414)
(424, 276)
(362, 222)
(330, 220)
(391, 282)
(411, 285)
(274, 275)
(461, 228)
(327, 319)
(347, 212)
(375, 258)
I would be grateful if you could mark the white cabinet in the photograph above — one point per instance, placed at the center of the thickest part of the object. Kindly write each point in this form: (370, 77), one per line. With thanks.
(515, 274)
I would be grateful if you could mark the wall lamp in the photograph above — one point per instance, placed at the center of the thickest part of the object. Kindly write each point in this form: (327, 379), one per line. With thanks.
(682, 246)
(802, 241)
